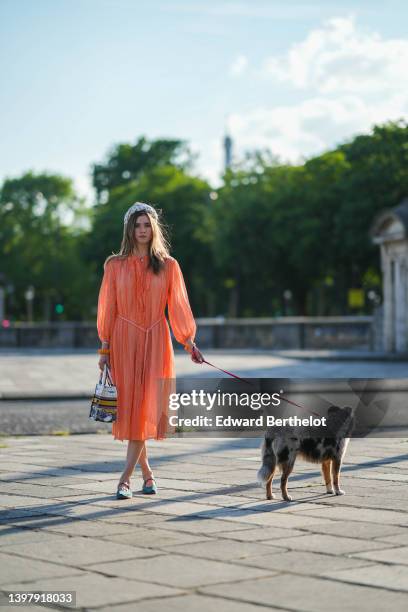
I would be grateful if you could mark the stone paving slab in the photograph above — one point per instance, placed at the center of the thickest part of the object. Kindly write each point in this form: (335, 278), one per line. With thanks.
(76, 551)
(27, 570)
(308, 594)
(397, 555)
(268, 536)
(11, 534)
(369, 515)
(225, 551)
(8, 516)
(401, 538)
(302, 562)
(383, 502)
(94, 590)
(43, 491)
(263, 519)
(201, 525)
(386, 576)
(180, 570)
(162, 538)
(359, 530)
(326, 544)
(187, 603)
(201, 542)
(35, 529)
(23, 608)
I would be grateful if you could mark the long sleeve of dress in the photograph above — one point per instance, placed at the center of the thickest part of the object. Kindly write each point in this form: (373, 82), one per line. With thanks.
(107, 307)
(180, 315)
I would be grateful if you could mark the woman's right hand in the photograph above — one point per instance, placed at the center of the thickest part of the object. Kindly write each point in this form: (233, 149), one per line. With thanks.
(102, 360)
(196, 355)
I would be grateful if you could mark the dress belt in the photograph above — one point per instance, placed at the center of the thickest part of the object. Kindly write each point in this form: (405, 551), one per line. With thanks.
(147, 330)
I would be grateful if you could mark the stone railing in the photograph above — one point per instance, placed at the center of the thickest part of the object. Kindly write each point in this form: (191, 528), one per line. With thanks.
(288, 333)
(354, 332)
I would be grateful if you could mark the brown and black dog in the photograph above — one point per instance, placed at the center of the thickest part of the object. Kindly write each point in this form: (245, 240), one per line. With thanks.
(281, 450)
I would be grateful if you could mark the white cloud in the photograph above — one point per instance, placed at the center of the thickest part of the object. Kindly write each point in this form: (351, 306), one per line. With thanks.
(309, 127)
(338, 57)
(239, 66)
(345, 80)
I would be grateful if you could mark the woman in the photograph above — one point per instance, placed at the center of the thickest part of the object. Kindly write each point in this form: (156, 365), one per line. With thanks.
(137, 284)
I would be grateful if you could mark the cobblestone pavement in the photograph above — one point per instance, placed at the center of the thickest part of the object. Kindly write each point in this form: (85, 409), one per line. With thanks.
(209, 538)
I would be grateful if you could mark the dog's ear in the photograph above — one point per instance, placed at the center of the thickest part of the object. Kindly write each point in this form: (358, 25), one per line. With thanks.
(333, 410)
(351, 420)
(333, 423)
(337, 418)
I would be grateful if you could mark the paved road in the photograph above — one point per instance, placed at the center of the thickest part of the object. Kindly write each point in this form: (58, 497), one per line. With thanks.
(25, 417)
(209, 539)
(47, 373)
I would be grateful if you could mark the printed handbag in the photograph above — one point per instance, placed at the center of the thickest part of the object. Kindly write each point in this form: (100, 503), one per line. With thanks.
(104, 401)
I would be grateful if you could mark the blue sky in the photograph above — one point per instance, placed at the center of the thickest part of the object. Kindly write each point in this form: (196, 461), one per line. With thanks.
(297, 77)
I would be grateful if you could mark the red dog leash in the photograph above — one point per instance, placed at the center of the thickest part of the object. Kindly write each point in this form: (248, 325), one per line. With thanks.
(220, 369)
(226, 372)
(250, 383)
(299, 406)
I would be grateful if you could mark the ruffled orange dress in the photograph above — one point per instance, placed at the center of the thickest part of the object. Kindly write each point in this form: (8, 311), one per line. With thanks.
(131, 317)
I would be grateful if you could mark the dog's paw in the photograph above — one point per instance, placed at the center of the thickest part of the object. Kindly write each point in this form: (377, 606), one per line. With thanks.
(340, 492)
(329, 491)
(271, 496)
(288, 498)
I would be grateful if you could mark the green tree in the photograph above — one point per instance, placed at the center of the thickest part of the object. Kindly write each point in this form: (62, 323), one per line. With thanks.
(125, 163)
(306, 228)
(377, 179)
(39, 245)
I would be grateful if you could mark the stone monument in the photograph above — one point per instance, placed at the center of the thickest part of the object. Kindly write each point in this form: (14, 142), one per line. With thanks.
(390, 231)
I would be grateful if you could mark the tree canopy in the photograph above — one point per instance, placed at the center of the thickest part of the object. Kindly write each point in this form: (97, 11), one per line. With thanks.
(125, 163)
(273, 239)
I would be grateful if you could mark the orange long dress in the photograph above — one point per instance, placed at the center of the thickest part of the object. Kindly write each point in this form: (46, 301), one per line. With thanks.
(131, 317)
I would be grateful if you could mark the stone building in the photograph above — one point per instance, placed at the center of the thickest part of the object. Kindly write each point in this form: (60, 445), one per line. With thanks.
(390, 231)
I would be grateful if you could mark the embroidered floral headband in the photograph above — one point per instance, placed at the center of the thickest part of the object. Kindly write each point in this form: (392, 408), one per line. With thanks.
(139, 206)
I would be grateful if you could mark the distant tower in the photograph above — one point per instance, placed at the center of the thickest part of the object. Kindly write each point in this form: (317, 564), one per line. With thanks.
(228, 151)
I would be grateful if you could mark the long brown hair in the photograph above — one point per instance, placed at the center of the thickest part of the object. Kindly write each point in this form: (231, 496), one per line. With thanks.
(159, 247)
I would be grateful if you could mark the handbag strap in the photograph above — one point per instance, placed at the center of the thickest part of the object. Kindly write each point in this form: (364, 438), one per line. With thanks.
(106, 377)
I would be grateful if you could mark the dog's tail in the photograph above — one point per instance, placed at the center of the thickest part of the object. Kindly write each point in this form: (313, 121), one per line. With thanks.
(268, 461)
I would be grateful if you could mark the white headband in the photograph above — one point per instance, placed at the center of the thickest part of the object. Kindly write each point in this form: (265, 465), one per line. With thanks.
(138, 206)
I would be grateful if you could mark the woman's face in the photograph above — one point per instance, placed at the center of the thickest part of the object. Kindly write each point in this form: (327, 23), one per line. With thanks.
(143, 230)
